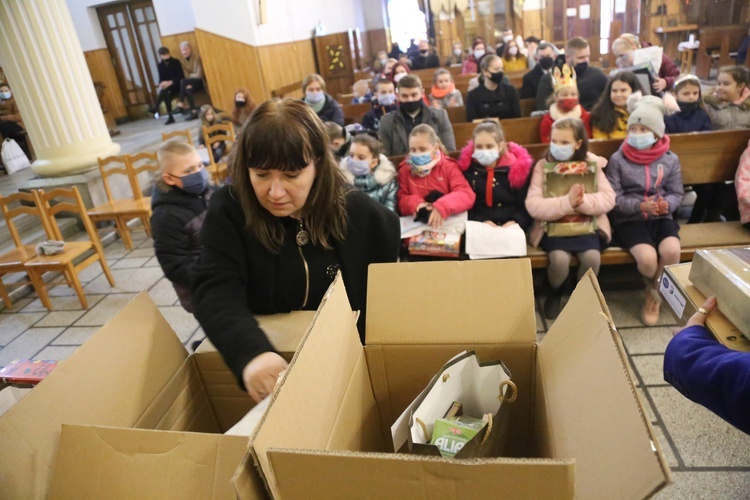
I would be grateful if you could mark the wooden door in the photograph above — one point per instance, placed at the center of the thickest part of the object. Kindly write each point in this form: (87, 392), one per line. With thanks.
(334, 57)
(571, 18)
(132, 35)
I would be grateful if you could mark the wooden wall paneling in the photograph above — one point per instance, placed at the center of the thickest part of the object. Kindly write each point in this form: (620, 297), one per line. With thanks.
(172, 42)
(533, 23)
(229, 65)
(377, 40)
(286, 63)
(102, 70)
(334, 58)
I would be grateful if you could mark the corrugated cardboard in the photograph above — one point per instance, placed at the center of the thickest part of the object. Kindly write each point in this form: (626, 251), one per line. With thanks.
(578, 427)
(683, 299)
(132, 374)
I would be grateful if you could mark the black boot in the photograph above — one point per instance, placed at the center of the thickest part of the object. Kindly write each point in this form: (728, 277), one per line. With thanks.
(170, 120)
(552, 302)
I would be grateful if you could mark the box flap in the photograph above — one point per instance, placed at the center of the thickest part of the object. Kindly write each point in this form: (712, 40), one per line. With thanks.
(328, 378)
(110, 380)
(102, 462)
(592, 411)
(451, 302)
(307, 474)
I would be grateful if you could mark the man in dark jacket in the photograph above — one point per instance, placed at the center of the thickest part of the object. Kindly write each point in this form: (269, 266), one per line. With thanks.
(384, 102)
(170, 76)
(591, 81)
(425, 59)
(179, 204)
(545, 61)
(396, 126)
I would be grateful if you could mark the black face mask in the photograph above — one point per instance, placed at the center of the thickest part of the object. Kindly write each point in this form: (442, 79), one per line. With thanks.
(688, 106)
(240, 104)
(546, 63)
(424, 52)
(580, 68)
(410, 107)
(497, 77)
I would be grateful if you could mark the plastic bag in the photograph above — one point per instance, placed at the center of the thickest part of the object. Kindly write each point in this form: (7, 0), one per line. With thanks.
(14, 159)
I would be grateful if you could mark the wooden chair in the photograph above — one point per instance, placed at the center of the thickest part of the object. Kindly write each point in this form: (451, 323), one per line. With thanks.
(14, 260)
(165, 136)
(224, 116)
(139, 163)
(121, 210)
(218, 171)
(68, 200)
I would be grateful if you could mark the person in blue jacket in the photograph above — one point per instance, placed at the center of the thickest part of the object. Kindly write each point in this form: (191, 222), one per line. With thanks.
(707, 372)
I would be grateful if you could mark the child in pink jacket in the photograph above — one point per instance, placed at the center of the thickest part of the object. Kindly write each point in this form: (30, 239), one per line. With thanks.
(569, 142)
(742, 184)
(428, 179)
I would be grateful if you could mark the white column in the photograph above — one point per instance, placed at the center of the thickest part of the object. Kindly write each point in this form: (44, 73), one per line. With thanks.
(50, 80)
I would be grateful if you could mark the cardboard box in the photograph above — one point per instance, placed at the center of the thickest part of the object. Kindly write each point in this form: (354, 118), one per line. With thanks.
(139, 416)
(577, 428)
(683, 299)
(725, 274)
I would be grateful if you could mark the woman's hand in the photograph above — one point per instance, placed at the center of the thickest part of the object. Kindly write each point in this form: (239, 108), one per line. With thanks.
(422, 205)
(435, 220)
(659, 84)
(490, 223)
(576, 194)
(260, 374)
(699, 318)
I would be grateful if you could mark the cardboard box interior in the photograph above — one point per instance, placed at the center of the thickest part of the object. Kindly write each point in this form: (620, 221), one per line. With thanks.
(577, 428)
(133, 374)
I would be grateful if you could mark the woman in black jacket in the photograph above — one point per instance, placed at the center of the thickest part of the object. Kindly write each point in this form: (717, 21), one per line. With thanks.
(494, 98)
(274, 240)
(327, 109)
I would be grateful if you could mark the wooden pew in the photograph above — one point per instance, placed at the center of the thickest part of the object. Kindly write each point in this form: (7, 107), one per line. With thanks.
(519, 130)
(353, 113)
(705, 158)
(457, 114)
(527, 106)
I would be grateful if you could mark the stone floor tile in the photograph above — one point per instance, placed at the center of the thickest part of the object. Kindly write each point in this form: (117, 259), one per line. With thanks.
(67, 303)
(94, 270)
(105, 309)
(140, 252)
(665, 447)
(182, 322)
(626, 305)
(646, 405)
(198, 335)
(149, 243)
(163, 293)
(646, 340)
(12, 325)
(115, 250)
(60, 318)
(128, 263)
(702, 439)
(76, 335)
(126, 281)
(152, 262)
(700, 485)
(18, 305)
(56, 352)
(26, 345)
(650, 368)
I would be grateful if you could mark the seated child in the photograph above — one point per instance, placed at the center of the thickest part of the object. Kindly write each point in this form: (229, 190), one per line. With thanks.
(647, 180)
(565, 103)
(444, 93)
(371, 171)
(499, 173)
(362, 92)
(728, 104)
(384, 102)
(208, 118)
(569, 143)
(428, 172)
(339, 138)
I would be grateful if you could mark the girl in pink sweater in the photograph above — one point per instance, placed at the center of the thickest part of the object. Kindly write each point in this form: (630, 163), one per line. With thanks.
(569, 142)
(429, 179)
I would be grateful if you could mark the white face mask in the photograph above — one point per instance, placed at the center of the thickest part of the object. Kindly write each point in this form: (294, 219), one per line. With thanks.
(507, 38)
(513, 51)
(397, 77)
(457, 52)
(5, 95)
(478, 54)
(314, 96)
(486, 157)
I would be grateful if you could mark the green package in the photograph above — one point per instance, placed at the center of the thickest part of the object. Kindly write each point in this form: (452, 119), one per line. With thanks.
(451, 434)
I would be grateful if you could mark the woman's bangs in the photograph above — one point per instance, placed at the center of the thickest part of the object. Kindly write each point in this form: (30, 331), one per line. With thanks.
(270, 148)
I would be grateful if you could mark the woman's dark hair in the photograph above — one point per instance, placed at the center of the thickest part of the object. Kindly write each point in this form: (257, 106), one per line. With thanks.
(289, 136)
(739, 74)
(579, 134)
(604, 115)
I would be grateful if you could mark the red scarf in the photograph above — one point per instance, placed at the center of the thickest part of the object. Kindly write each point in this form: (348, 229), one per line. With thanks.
(507, 160)
(646, 156)
(440, 93)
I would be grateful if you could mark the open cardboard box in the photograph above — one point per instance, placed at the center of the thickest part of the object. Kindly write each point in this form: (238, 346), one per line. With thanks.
(577, 429)
(139, 416)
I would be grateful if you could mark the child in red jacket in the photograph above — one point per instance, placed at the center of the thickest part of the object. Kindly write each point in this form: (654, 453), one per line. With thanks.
(566, 103)
(428, 179)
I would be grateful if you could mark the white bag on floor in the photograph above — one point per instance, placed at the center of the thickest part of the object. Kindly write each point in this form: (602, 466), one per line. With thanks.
(13, 157)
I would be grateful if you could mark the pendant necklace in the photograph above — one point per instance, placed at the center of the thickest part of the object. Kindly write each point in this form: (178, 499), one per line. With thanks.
(303, 237)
